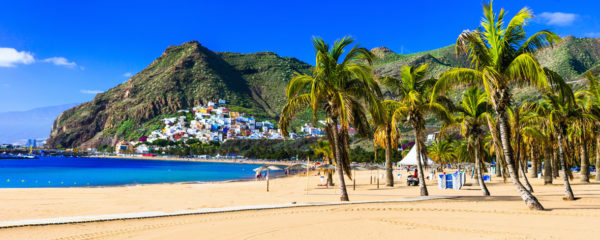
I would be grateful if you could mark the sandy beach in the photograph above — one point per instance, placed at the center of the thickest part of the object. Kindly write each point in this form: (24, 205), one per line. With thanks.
(502, 216)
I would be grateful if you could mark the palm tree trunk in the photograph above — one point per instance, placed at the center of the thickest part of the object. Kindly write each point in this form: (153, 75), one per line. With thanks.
(569, 157)
(548, 166)
(585, 164)
(555, 165)
(329, 173)
(530, 200)
(338, 160)
(598, 157)
(498, 165)
(422, 184)
(561, 158)
(496, 140)
(484, 189)
(523, 167)
(534, 162)
(389, 175)
(517, 156)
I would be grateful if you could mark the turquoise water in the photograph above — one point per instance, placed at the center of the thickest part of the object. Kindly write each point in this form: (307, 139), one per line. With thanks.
(75, 172)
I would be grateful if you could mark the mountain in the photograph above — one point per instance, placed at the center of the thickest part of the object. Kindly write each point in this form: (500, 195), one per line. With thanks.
(17, 127)
(570, 58)
(182, 77)
(382, 52)
(190, 74)
(440, 60)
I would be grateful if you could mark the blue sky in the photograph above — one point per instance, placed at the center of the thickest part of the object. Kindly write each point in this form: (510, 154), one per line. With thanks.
(58, 52)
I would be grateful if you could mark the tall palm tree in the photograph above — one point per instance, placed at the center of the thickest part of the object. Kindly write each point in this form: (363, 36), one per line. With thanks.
(414, 92)
(591, 102)
(323, 148)
(502, 55)
(594, 93)
(519, 115)
(580, 129)
(561, 109)
(339, 86)
(387, 134)
(472, 115)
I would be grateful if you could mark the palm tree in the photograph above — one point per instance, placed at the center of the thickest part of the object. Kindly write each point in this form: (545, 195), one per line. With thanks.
(442, 151)
(519, 115)
(579, 134)
(591, 102)
(322, 148)
(543, 129)
(472, 115)
(387, 134)
(560, 109)
(501, 56)
(338, 86)
(414, 92)
(462, 151)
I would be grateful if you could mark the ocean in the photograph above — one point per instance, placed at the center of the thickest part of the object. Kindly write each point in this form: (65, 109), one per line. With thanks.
(83, 172)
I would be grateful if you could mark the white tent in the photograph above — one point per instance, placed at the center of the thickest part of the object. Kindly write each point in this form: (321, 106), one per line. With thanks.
(411, 159)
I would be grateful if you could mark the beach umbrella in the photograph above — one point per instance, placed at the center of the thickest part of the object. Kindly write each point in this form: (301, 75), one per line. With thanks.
(355, 167)
(298, 166)
(267, 168)
(260, 169)
(358, 167)
(326, 166)
(329, 167)
(374, 167)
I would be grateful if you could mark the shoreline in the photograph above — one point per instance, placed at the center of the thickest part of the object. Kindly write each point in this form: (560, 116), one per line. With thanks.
(208, 160)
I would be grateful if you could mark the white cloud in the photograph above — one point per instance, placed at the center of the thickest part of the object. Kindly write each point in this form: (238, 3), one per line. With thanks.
(6, 85)
(9, 57)
(60, 61)
(558, 18)
(127, 74)
(91, 91)
(592, 34)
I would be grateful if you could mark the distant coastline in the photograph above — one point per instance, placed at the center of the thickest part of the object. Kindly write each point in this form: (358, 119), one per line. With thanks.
(212, 160)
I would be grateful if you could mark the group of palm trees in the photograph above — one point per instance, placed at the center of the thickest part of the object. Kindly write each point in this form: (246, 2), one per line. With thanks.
(555, 129)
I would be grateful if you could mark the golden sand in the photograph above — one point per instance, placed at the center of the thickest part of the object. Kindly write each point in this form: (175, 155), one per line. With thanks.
(502, 216)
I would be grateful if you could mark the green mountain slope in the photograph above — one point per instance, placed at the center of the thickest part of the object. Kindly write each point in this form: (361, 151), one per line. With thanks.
(570, 58)
(182, 77)
(266, 75)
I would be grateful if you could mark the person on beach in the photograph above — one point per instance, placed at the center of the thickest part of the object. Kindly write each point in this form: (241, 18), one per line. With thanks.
(258, 175)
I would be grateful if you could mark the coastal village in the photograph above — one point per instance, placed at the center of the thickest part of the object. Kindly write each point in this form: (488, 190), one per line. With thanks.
(212, 122)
